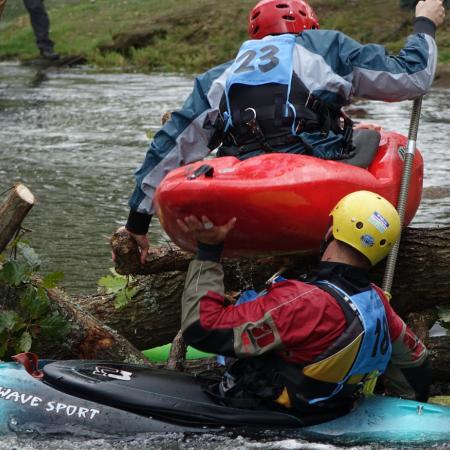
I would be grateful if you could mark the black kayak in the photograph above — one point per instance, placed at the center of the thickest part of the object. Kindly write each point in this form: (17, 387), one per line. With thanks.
(87, 398)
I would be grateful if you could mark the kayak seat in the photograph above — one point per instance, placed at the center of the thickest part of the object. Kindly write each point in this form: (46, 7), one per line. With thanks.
(161, 394)
(366, 143)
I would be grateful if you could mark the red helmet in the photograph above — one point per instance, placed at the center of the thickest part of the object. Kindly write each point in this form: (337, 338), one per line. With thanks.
(280, 17)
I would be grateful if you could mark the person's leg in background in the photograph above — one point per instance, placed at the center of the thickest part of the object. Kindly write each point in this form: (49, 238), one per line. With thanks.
(41, 25)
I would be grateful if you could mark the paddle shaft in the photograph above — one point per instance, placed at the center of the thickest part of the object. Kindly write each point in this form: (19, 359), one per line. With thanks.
(404, 189)
(369, 385)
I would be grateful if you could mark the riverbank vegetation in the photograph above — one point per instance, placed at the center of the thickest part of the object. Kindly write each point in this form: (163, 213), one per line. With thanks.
(188, 36)
(26, 315)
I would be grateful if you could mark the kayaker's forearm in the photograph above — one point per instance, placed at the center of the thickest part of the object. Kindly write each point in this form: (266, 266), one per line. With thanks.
(380, 76)
(204, 279)
(202, 299)
(408, 350)
(210, 325)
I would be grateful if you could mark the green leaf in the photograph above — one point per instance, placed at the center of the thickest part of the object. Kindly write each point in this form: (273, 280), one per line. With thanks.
(52, 279)
(54, 326)
(131, 292)
(121, 300)
(124, 296)
(19, 324)
(14, 273)
(112, 284)
(25, 342)
(42, 294)
(8, 320)
(29, 254)
(35, 302)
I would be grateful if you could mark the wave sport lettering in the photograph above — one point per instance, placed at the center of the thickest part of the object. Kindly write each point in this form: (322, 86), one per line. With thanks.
(9, 394)
(53, 407)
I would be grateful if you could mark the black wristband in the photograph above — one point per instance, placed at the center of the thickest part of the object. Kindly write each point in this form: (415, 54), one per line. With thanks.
(138, 223)
(208, 252)
(424, 25)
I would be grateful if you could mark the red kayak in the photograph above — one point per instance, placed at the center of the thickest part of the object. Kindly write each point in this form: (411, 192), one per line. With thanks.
(282, 201)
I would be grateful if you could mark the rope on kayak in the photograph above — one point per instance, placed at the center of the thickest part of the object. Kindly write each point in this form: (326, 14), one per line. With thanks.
(404, 190)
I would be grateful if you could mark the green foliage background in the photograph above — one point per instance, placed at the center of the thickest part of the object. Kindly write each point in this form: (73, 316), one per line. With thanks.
(187, 36)
(25, 312)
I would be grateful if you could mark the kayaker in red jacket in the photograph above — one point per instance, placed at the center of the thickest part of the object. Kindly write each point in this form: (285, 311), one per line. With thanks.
(283, 93)
(308, 344)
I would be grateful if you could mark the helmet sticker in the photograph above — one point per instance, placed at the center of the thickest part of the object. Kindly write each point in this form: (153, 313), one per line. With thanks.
(379, 222)
(367, 240)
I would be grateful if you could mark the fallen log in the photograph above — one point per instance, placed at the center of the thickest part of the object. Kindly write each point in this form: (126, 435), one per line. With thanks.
(87, 337)
(153, 316)
(12, 212)
(421, 279)
(440, 357)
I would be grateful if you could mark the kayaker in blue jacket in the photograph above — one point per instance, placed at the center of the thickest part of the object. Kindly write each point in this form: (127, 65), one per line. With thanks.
(284, 93)
(307, 343)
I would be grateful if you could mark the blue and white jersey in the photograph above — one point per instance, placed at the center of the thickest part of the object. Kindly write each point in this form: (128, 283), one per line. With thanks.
(330, 64)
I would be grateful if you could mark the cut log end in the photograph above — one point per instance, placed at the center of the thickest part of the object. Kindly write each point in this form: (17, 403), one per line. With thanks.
(24, 193)
(13, 210)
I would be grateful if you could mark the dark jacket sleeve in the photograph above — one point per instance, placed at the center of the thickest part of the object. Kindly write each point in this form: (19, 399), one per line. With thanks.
(183, 139)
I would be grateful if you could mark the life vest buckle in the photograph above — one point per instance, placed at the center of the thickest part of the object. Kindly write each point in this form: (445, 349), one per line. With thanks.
(256, 131)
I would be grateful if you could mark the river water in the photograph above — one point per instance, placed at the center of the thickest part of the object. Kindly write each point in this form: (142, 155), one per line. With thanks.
(75, 137)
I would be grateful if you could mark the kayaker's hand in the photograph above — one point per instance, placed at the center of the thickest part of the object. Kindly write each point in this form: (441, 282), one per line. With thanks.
(367, 126)
(142, 242)
(204, 230)
(431, 9)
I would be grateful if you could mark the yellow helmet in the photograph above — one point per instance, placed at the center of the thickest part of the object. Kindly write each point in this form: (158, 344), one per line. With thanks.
(367, 222)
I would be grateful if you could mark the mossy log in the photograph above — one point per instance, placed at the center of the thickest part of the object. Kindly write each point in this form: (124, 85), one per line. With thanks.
(440, 357)
(88, 338)
(153, 316)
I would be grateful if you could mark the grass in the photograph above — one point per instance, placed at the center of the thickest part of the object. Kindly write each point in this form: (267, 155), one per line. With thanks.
(187, 36)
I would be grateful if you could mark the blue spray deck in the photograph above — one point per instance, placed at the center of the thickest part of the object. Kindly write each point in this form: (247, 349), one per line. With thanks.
(28, 405)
